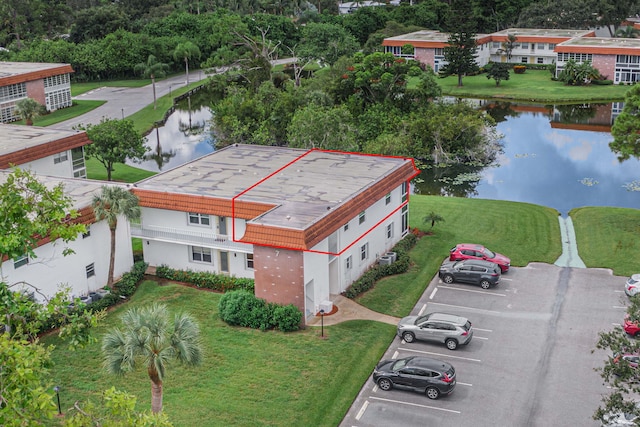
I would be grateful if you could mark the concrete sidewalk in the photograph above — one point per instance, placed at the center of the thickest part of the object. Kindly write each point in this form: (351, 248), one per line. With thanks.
(351, 310)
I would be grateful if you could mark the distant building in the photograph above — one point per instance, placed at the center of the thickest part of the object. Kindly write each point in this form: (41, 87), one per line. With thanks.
(303, 223)
(44, 151)
(616, 58)
(48, 84)
(352, 6)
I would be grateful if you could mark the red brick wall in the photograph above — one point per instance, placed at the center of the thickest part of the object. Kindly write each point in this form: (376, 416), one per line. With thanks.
(35, 90)
(606, 64)
(279, 275)
(427, 56)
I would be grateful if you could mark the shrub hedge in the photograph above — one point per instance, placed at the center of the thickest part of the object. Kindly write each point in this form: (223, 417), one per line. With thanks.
(125, 287)
(243, 308)
(377, 272)
(204, 279)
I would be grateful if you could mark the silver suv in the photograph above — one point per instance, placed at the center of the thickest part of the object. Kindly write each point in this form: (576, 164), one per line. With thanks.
(445, 328)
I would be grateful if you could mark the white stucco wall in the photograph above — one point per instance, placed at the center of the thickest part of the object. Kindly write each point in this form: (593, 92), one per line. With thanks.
(46, 166)
(51, 269)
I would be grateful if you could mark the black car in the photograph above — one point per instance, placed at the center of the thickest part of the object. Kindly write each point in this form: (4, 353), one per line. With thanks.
(422, 374)
(478, 272)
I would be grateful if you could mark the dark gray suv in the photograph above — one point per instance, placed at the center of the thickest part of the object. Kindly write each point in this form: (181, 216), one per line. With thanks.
(475, 271)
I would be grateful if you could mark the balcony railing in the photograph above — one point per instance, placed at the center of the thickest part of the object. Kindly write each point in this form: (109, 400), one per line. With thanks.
(173, 235)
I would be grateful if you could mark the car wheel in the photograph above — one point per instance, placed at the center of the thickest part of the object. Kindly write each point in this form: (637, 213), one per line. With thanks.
(637, 334)
(432, 392)
(408, 337)
(385, 384)
(451, 344)
(485, 284)
(448, 279)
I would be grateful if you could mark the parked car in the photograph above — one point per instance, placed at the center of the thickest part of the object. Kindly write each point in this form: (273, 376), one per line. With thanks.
(632, 286)
(633, 359)
(444, 328)
(473, 251)
(619, 419)
(475, 271)
(630, 327)
(422, 374)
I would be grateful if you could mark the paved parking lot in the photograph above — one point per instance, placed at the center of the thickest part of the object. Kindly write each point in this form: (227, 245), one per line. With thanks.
(530, 362)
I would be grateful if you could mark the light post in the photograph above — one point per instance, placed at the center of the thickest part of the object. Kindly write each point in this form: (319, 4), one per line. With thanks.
(122, 113)
(169, 91)
(57, 390)
(322, 323)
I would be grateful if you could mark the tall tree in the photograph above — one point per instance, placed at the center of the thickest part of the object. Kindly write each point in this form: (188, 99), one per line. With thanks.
(152, 69)
(112, 203)
(460, 52)
(498, 71)
(626, 128)
(186, 52)
(627, 32)
(149, 336)
(326, 43)
(29, 109)
(508, 46)
(114, 141)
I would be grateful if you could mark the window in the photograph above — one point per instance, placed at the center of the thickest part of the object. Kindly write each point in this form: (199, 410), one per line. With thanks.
(200, 254)
(496, 45)
(60, 157)
(524, 60)
(405, 191)
(20, 261)
(361, 218)
(90, 270)
(87, 233)
(348, 263)
(249, 261)
(541, 46)
(389, 231)
(524, 45)
(346, 226)
(387, 199)
(540, 60)
(224, 262)
(364, 251)
(199, 219)
(405, 219)
(552, 46)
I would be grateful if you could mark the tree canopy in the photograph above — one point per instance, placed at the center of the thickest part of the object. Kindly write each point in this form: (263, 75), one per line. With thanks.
(626, 128)
(460, 52)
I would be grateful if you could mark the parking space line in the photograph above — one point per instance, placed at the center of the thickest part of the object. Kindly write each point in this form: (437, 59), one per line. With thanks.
(483, 330)
(440, 354)
(395, 355)
(619, 306)
(467, 308)
(616, 324)
(471, 290)
(508, 280)
(480, 338)
(415, 404)
(433, 293)
(361, 411)
(467, 384)
(424, 307)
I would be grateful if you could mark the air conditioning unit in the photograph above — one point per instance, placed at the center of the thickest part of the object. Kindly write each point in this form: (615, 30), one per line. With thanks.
(327, 306)
(392, 255)
(385, 260)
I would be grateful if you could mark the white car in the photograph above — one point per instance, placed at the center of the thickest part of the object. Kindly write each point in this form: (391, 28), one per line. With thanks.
(621, 419)
(632, 286)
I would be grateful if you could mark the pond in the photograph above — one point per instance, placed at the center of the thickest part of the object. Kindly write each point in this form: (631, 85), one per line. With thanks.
(555, 156)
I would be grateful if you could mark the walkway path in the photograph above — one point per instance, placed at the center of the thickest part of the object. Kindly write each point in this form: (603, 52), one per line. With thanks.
(569, 257)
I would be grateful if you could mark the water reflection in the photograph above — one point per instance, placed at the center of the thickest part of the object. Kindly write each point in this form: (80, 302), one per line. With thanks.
(556, 156)
(185, 136)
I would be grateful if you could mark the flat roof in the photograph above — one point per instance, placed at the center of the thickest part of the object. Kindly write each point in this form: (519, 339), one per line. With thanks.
(423, 35)
(604, 42)
(303, 184)
(16, 137)
(540, 32)
(8, 69)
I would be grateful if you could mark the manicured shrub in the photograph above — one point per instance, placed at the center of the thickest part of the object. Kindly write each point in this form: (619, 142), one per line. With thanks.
(129, 281)
(287, 318)
(243, 308)
(205, 279)
(519, 69)
(602, 82)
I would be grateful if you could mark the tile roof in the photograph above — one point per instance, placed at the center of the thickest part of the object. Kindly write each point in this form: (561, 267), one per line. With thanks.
(19, 72)
(24, 144)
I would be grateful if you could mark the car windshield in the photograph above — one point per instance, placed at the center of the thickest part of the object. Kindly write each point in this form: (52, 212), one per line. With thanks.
(488, 253)
(399, 365)
(633, 282)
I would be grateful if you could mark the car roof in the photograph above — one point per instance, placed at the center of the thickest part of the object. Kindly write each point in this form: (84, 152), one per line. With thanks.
(427, 362)
(469, 246)
(445, 317)
(478, 262)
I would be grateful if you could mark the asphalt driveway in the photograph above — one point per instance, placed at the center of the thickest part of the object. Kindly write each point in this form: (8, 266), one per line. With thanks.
(530, 362)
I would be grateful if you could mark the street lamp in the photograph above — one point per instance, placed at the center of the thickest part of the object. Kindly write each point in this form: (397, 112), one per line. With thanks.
(122, 113)
(169, 91)
(57, 390)
(322, 323)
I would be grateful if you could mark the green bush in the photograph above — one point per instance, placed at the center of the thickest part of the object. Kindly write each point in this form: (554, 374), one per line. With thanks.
(205, 279)
(602, 82)
(243, 308)
(377, 272)
(129, 281)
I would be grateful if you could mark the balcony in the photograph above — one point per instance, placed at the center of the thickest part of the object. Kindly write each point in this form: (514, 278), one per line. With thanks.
(184, 237)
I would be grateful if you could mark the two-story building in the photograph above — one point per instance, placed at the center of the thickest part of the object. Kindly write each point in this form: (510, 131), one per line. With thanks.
(303, 223)
(87, 268)
(44, 151)
(48, 84)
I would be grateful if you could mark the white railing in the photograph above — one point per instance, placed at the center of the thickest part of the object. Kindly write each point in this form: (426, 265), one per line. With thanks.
(174, 235)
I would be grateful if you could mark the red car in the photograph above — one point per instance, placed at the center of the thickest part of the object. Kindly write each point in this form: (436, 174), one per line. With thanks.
(630, 327)
(473, 251)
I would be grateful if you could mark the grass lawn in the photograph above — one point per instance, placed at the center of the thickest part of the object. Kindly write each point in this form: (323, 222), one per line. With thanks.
(608, 238)
(522, 231)
(121, 173)
(531, 86)
(80, 88)
(249, 378)
(77, 109)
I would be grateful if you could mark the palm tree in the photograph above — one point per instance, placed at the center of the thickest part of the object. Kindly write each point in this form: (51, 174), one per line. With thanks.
(148, 336)
(628, 32)
(185, 52)
(109, 205)
(433, 218)
(152, 69)
(29, 109)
